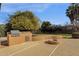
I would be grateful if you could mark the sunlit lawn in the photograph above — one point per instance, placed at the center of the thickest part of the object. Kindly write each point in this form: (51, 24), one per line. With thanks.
(48, 36)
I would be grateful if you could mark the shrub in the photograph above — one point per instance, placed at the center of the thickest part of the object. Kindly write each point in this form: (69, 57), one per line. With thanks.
(75, 35)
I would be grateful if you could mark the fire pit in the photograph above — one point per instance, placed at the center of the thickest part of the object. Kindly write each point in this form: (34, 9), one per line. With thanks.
(52, 41)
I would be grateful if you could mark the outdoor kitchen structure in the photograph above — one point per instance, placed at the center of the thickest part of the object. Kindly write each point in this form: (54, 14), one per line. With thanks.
(17, 37)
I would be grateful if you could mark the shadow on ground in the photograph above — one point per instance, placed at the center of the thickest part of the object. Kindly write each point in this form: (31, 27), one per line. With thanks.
(4, 43)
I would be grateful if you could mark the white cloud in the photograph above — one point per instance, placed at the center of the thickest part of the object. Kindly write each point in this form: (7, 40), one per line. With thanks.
(37, 7)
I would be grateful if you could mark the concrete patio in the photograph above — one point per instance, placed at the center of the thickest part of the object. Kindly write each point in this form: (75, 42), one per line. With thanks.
(66, 47)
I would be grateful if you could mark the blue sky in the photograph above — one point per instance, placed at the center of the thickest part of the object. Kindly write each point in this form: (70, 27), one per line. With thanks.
(53, 12)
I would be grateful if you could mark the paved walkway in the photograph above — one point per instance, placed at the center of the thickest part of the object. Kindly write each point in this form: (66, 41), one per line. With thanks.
(67, 47)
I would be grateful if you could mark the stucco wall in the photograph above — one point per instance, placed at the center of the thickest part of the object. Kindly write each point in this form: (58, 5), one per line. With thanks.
(23, 37)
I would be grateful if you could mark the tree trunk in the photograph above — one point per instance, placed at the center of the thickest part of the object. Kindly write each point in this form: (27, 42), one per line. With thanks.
(73, 26)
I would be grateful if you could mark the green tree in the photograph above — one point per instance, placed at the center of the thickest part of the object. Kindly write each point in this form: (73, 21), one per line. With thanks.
(70, 14)
(2, 30)
(23, 21)
(73, 13)
(0, 5)
(46, 26)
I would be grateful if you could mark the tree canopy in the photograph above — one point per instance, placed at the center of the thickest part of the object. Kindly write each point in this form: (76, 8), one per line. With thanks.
(73, 12)
(0, 5)
(46, 26)
(23, 21)
(2, 30)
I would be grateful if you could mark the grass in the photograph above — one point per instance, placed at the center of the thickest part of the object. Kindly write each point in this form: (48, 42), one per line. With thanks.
(67, 36)
(48, 36)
